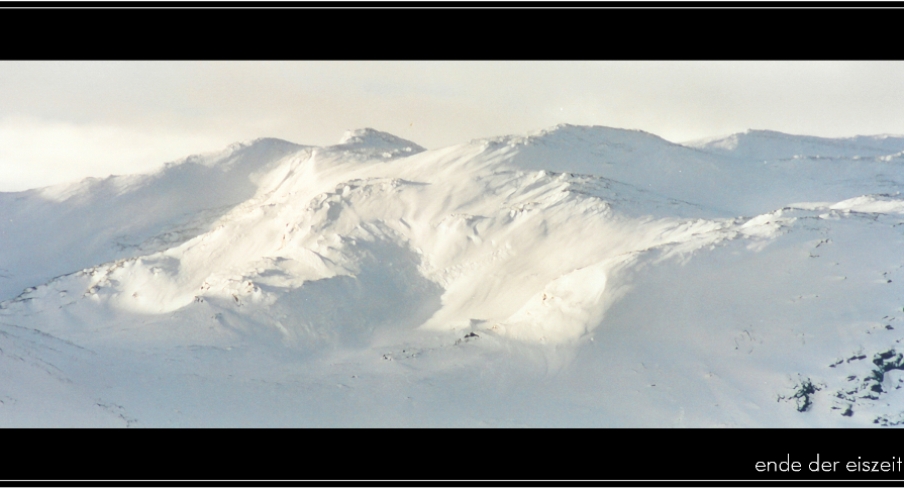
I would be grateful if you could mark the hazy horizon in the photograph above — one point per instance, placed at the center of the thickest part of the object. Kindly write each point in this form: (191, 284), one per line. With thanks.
(65, 120)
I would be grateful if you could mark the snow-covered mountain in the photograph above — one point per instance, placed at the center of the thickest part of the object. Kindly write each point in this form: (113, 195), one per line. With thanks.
(771, 145)
(576, 276)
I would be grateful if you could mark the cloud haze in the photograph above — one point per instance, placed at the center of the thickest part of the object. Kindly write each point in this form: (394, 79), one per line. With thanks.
(65, 120)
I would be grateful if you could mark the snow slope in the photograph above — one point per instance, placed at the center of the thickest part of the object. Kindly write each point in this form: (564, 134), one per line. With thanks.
(576, 276)
(57, 230)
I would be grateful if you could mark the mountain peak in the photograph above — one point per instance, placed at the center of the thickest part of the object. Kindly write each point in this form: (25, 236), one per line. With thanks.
(568, 135)
(372, 139)
(260, 142)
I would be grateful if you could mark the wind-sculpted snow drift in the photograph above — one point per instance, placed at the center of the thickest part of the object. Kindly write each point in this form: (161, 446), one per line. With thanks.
(581, 276)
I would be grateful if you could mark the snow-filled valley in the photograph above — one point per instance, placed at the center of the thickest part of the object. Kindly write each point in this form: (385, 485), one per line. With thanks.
(576, 276)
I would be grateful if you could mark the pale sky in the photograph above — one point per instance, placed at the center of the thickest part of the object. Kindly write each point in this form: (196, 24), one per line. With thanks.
(65, 120)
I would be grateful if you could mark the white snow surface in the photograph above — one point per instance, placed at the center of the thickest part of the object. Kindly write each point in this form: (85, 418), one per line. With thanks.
(576, 276)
